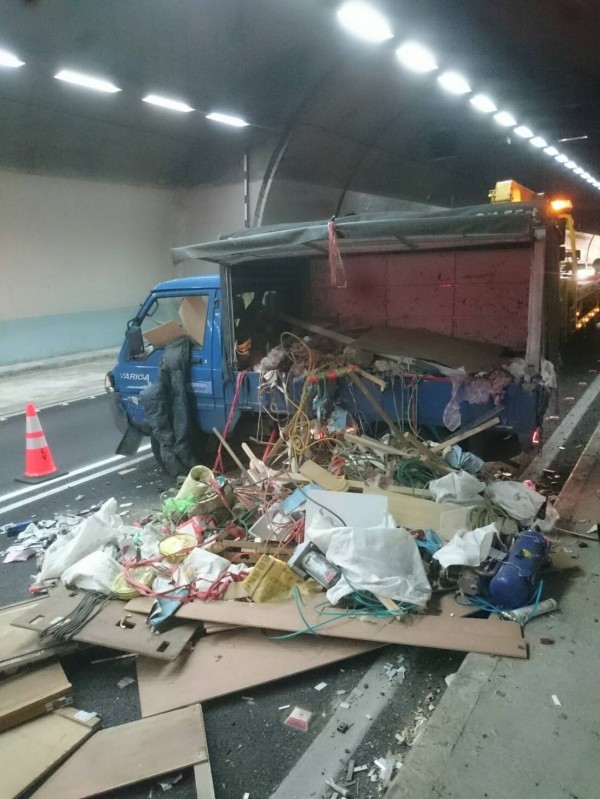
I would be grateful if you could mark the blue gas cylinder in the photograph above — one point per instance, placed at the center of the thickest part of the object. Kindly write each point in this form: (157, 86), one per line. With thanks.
(516, 581)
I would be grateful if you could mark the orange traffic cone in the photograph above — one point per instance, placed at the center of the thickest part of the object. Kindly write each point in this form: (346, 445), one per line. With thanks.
(39, 463)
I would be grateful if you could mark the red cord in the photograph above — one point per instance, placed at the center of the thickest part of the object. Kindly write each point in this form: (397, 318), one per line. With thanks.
(218, 466)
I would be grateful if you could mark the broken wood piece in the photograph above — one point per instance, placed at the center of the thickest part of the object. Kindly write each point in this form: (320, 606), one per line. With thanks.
(396, 432)
(313, 328)
(373, 378)
(449, 442)
(317, 474)
(32, 694)
(234, 457)
(372, 443)
(232, 661)
(435, 460)
(130, 753)
(491, 636)
(389, 604)
(31, 751)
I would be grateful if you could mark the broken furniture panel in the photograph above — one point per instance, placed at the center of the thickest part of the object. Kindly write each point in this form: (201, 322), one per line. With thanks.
(32, 694)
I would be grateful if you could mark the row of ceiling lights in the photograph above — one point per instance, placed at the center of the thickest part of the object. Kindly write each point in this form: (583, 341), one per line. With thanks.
(369, 24)
(11, 61)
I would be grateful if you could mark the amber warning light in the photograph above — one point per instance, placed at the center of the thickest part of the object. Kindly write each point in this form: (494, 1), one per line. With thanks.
(561, 204)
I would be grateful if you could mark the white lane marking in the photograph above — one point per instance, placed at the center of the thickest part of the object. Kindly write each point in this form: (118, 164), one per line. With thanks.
(72, 484)
(69, 476)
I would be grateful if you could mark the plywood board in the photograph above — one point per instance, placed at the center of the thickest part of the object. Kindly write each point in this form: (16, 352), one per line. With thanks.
(234, 661)
(18, 647)
(130, 753)
(490, 637)
(424, 345)
(32, 694)
(110, 628)
(32, 750)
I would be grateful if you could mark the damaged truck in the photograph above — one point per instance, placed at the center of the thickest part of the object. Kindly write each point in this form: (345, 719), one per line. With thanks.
(435, 322)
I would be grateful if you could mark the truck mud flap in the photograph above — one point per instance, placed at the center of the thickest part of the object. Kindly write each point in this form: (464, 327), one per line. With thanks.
(130, 442)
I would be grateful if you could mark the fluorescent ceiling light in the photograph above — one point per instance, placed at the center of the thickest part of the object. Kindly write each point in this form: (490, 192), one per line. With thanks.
(523, 131)
(584, 175)
(227, 119)
(88, 81)
(454, 83)
(570, 164)
(9, 60)
(575, 138)
(166, 102)
(590, 180)
(364, 21)
(562, 159)
(415, 57)
(551, 150)
(537, 141)
(505, 119)
(578, 171)
(483, 103)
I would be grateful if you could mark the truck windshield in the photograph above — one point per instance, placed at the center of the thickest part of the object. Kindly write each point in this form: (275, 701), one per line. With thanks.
(168, 318)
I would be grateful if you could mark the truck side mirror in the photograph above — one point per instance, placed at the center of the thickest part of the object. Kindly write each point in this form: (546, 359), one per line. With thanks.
(134, 342)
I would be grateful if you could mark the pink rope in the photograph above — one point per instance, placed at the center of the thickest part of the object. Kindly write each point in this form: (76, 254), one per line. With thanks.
(218, 466)
(336, 265)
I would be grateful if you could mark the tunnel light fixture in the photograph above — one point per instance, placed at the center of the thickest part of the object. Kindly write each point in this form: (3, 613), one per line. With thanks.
(228, 119)
(364, 21)
(562, 159)
(537, 141)
(584, 175)
(87, 81)
(523, 131)
(167, 102)
(415, 57)
(578, 171)
(10, 60)
(454, 83)
(505, 119)
(483, 103)
(570, 164)
(551, 151)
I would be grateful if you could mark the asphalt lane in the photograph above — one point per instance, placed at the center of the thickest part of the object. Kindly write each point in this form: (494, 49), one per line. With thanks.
(78, 433)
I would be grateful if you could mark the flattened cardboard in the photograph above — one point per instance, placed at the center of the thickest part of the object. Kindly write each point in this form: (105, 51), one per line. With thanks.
(164, 334)
(192, 313)
(34, 749)
(130, 753)
(110, 628)
(233, 661)
(488, 637)
(32, 694)
(18, 647)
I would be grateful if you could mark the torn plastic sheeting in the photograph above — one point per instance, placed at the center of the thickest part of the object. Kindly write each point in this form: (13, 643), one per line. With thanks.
(385, 561)
(520, 502)
(202, 567)
(165, 607)
(467, 548)
(456, 487)
(92, 534)
(458, 459)
(96, 572)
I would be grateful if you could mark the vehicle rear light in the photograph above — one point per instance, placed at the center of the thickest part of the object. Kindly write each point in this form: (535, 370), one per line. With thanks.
(536, 436)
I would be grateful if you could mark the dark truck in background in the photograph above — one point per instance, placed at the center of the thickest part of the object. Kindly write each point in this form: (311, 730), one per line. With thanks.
(435, 301)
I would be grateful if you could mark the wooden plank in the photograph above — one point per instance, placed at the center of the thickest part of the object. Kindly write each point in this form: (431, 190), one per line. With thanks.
(31, 751)
(492, 637)
(109, 628)
(20, 648)
(234, 661)
(449, 442)
(32, 694)
(376, 446)
(313, 328)
(317, 474)
(130, 753)
(204, 781)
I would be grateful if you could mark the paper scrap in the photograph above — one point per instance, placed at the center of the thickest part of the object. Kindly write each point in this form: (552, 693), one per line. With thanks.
(556, 700)
(83, 715)
(125, 682)
(320, 686)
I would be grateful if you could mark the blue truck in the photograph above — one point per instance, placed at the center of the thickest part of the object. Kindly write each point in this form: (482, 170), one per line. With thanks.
(483, 274)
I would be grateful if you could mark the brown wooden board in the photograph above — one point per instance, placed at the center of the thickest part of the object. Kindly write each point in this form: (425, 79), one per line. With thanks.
(110, 628)
(32, 750)
(130, 753)
(18, 647)
(233, 661)
(31, 694)
(490, 637)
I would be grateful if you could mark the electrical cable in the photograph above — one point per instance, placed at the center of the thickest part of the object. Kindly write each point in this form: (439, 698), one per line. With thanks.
(66, 628)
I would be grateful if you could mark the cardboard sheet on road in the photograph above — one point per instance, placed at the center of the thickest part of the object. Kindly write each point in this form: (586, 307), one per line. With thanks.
(424, 345)
(32, 750)
(486, 636)
(233, 661)
(110, 628)
(130, 753)
(32, 694)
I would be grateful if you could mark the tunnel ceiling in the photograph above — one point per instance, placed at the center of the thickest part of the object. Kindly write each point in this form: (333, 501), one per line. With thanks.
(335, 122)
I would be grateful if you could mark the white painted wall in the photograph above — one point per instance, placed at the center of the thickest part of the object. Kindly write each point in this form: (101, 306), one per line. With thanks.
(76, 258)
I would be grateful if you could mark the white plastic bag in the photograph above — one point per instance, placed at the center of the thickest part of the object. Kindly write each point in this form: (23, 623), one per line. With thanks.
(456, 487)
(521, 503)
(96, 572)
(201, 567)
(94, 533)
(467, 548)
(382, 560)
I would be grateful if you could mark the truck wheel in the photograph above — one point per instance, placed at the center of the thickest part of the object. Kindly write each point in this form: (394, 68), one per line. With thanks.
(155, 446)
(199, 447)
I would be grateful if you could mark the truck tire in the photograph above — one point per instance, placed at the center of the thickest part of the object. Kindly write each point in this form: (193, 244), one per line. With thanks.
(199, 450)
(155, 446)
